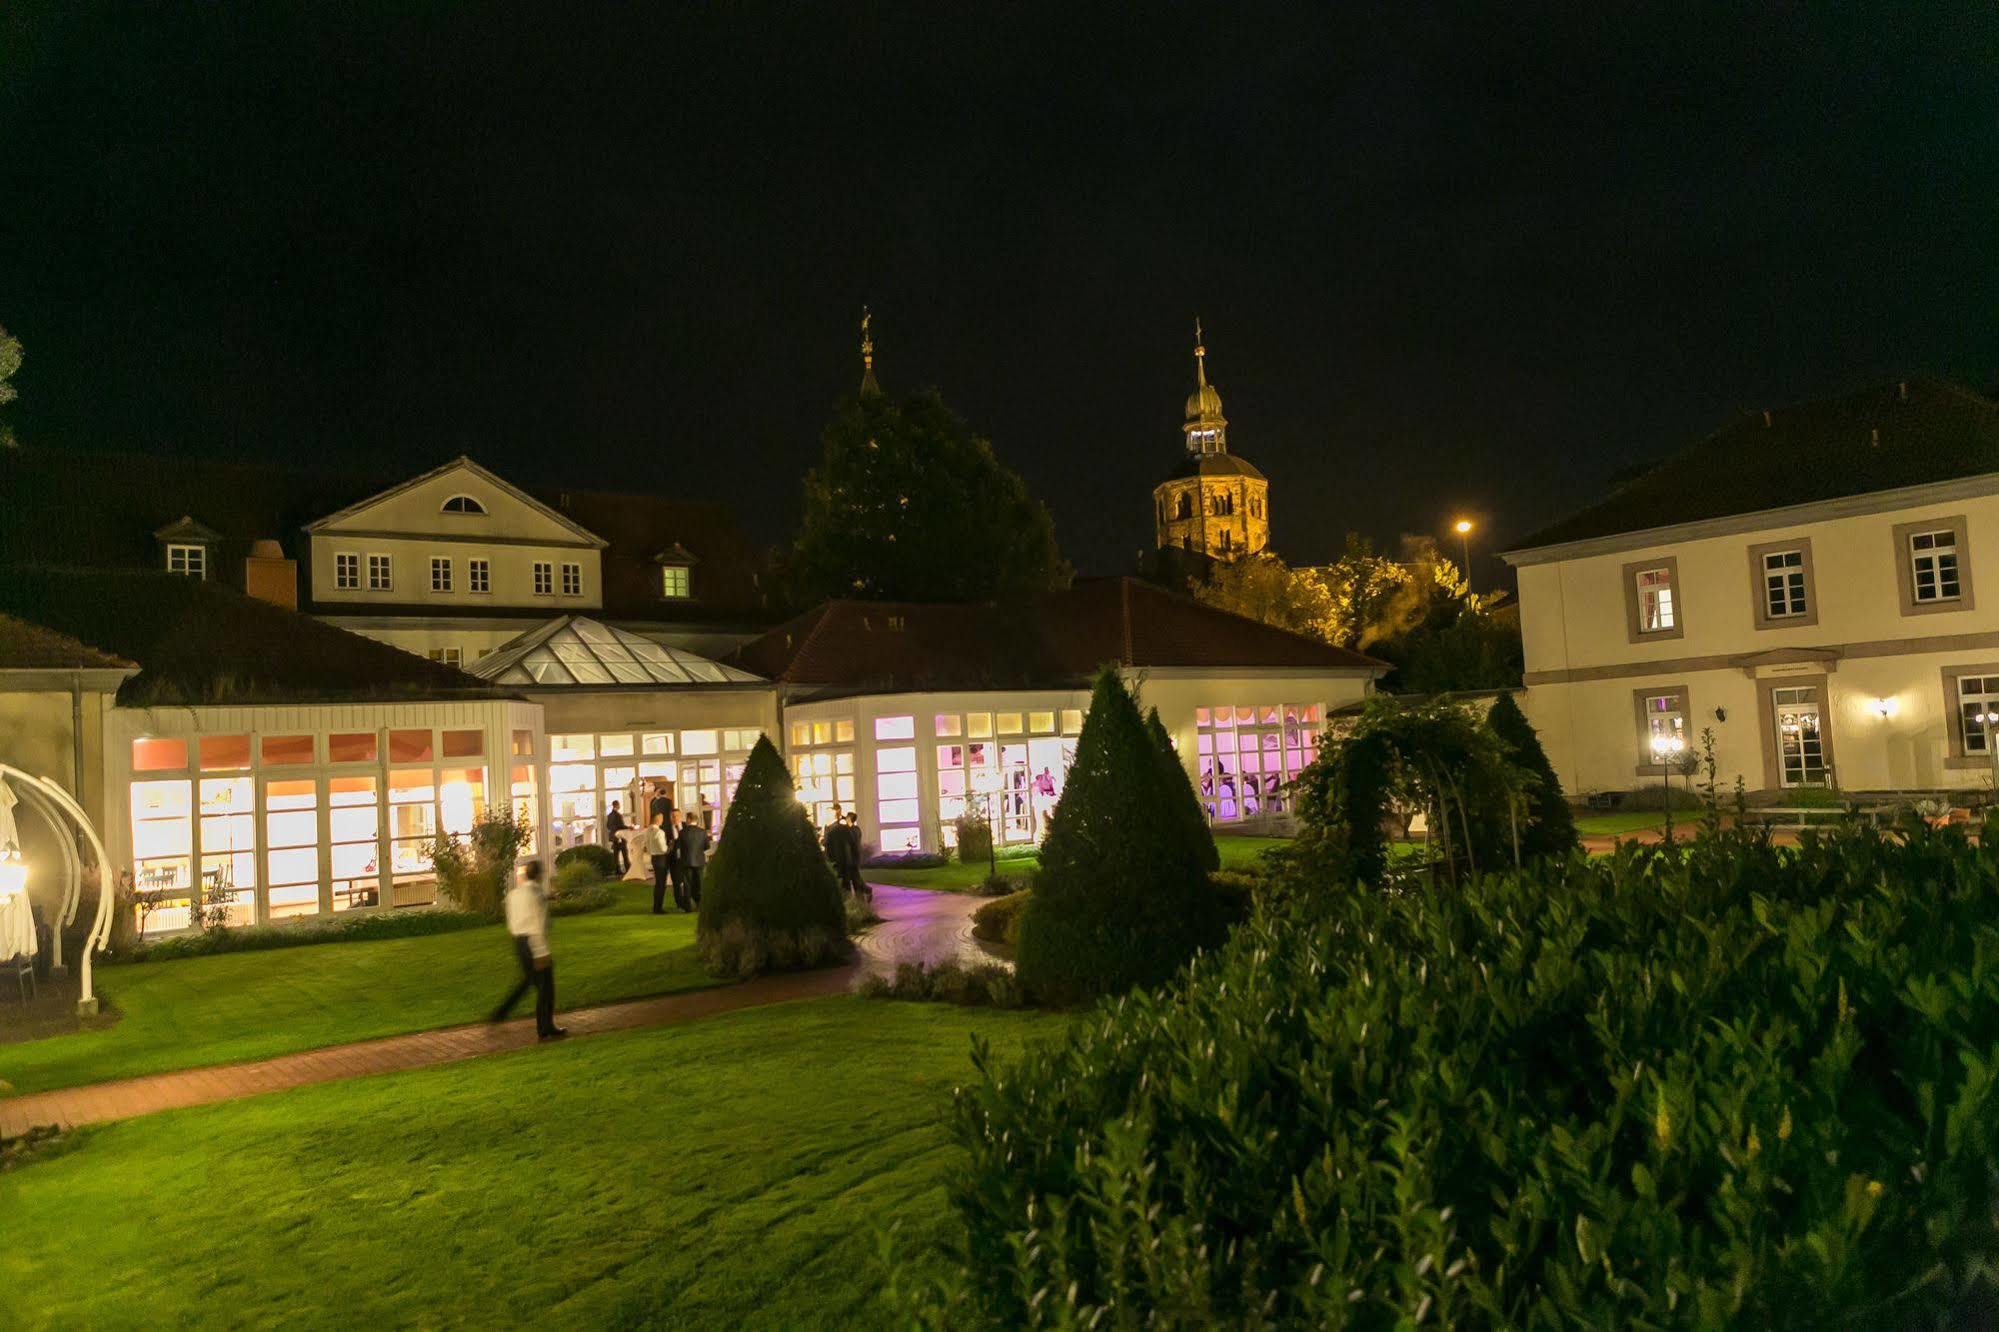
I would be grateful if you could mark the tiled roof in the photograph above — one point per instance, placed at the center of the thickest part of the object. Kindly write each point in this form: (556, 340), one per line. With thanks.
(197, 642)
(1057, 640)
(31, 647)
(1881, 438)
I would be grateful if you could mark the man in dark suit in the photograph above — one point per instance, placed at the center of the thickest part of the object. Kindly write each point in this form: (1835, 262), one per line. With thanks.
(614, 824)
(850, 860)
(692, 844)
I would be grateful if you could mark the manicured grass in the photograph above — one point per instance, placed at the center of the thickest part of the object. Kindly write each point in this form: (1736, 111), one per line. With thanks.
(235, 1006)
(1619, 822)
(733, 1172)
(1237, 853)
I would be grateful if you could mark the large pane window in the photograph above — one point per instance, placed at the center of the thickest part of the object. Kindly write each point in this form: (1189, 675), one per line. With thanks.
(162, 853)
(568, 748)
(229, 847)
(355, 841)
(351, 747)
(412, 825)
(1662, 728)
(156, 755)
(221, 753)
(291, 847)
(1655, 601)
(286, 751)
(1246, 757)
(572, 795)
(1978, 713)
(461, 799)
(523, 791)
(1784, 584)
(411, 746)
(1933, 563)
(895, 728)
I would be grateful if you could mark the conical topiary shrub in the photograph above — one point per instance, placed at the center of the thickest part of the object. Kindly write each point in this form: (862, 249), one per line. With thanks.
(770, 902)
(1121, 898)
(1548, 827)
(1187, 817)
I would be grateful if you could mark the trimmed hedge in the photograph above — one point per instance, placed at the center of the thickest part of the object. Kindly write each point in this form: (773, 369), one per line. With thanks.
(989, 985)
(1121, 898)
(770, 901)
(602, 860)
(340, 929)
(1716, 1086)
(998, 921)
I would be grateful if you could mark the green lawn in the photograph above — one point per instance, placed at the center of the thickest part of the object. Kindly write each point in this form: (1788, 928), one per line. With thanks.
(1237, 853)
(1619, 822)
(213, 1010)
(733, 1172)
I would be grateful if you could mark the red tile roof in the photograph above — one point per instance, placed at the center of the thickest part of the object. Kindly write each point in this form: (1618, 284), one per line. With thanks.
(1059, 639)
(30, 647)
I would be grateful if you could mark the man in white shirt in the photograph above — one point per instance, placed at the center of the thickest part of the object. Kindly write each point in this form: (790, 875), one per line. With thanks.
(527, 921)
(659, 851)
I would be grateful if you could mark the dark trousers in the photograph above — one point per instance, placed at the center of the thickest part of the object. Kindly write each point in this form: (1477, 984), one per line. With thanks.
(687, 887)
(622, 852)
(541, 980)
(660, 866)
(850, 881)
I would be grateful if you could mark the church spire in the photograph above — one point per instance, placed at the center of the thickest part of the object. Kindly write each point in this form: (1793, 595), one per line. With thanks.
(1206, 428)
(869, 387)
(1200, 355)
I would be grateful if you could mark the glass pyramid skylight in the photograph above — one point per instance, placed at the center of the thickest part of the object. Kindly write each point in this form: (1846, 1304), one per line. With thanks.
(577, 652)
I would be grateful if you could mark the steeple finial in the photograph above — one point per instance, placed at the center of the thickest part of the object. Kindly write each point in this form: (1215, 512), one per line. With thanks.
(869, 388)
(1200, 354)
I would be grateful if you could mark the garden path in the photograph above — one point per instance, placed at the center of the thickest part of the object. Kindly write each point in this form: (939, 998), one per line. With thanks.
(916, 926)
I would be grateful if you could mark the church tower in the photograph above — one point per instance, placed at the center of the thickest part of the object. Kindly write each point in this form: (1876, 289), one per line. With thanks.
(1214, 503)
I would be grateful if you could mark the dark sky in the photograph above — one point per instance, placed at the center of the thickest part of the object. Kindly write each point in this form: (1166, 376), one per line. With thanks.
(1446, 257)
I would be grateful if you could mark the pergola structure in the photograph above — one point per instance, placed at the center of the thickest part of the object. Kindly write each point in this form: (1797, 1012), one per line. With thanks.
(63, 814)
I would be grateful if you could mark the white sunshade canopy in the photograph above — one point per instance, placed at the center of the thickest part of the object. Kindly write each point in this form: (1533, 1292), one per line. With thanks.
(577, 652)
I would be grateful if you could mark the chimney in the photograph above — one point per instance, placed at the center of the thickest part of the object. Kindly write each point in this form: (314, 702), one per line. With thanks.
(269, 576)
(1905, 390)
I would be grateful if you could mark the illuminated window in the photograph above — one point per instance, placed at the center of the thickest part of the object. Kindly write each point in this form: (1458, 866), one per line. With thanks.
(347, 572)
(1008, 723)
(564, 748)
(190, 561)
(801, 734)
(737, 740)
(1041, 723)
(657, 742)
(447, 656)
(523, 744)
(479, 575)
(440, 573)
(700, 742)
(228, 832)
(162, 854)
(1662, 728)
(895, 728)
(1072, 721)
(843, 731)
(1978, 712)
(410, 746)
(1933, 564)
(615, 746)
(221, 752)
(291, 847)
(465, 744)
(153, 755)
(381, 574)
(412, 827)
(1246, 757)
(354, 844)
(979, 725)
(950, 723)
(675, 583)
(285, 751)
(544, 578)
(351, 747)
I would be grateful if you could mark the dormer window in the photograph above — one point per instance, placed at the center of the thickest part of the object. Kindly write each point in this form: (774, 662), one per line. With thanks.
(187, 560)
(675, 582)
(463, 504)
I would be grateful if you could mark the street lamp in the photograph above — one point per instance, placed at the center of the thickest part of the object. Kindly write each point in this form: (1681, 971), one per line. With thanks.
(986, 786)
(1463, 528)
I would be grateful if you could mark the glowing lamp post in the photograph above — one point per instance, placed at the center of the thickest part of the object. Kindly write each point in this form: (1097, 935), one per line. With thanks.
(1463, 528)
(1666, 752)
(986, 785)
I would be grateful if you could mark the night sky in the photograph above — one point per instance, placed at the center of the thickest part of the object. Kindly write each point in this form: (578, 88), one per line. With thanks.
(1447, 258)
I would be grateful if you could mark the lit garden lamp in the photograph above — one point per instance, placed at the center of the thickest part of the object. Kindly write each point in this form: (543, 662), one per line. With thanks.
(1666, 751)
(1463, 528)
(13, 876)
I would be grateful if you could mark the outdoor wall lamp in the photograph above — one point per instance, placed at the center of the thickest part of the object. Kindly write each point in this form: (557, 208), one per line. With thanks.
(1721, 714)
(1885, 707)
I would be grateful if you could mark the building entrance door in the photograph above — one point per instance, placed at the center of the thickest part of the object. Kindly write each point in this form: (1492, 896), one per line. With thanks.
(1800, 738)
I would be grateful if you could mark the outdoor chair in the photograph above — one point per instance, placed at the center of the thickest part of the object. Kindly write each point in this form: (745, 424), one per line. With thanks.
(23, 968)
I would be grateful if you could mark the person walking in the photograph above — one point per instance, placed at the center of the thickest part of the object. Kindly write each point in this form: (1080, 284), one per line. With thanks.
(693, 846)
(659, 853)
(833, 838)
(527, 921)
(614, 832)
(850, 865)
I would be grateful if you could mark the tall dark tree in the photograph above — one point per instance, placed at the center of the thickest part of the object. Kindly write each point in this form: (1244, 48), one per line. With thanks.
(1183, 811)
(1550, 826)
(771, 902)
(908, 504)
(1119, 900)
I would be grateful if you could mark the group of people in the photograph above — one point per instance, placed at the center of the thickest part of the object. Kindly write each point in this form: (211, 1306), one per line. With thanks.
(842, 840)
(675, 845)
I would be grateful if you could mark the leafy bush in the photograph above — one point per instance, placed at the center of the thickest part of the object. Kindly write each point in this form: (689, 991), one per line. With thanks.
(602, 860)
(579, 888)
(1118, 901)
(975, 838)
(1653, 796)
(860, 914)
(999, 885)
(770, 901)
(986, 986)
(1236, 892)
(998, 921)
(1700, 1086)
(353, 928)
(475, 872)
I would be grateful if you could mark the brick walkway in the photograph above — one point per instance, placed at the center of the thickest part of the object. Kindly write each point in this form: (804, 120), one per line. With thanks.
(94, 1104)
(916, 926)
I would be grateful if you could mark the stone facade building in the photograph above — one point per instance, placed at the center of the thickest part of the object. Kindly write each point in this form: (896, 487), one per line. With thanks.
(1214, 503)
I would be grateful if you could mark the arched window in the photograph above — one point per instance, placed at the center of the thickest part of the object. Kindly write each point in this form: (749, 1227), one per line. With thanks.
(463, 504)
(1185, 507)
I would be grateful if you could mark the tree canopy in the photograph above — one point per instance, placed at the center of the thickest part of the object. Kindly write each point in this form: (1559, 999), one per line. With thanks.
(908, 504)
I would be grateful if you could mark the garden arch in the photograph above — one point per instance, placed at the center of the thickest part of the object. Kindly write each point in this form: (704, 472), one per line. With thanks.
(66, 817)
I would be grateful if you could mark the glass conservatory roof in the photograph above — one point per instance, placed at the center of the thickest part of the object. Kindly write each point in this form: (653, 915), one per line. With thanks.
(573, 651)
